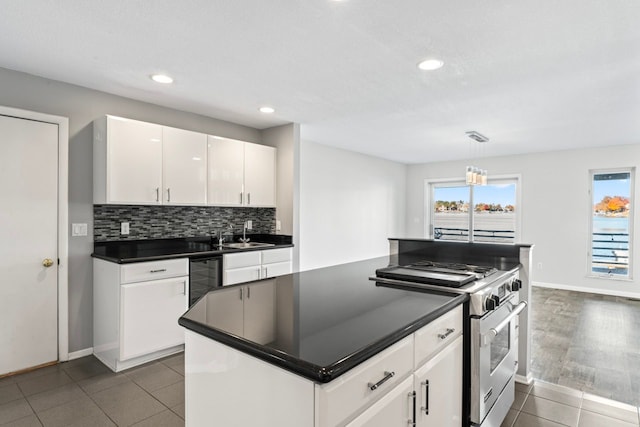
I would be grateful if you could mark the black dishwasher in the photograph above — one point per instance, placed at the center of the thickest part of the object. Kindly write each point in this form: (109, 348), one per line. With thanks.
(205, 274)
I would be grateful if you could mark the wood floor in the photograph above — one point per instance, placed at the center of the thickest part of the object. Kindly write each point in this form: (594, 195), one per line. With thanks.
(587, 342)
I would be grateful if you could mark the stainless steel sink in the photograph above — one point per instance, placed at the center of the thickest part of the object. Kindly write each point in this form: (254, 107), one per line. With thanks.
(247, 245)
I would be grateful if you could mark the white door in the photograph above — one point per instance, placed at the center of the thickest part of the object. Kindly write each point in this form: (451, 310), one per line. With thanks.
(28, 232)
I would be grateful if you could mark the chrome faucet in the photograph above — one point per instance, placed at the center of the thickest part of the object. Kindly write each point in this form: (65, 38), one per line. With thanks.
(220, 238)
(244, 233)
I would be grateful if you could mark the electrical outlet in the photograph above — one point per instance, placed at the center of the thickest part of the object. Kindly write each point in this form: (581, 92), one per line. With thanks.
(249, 225)
(124, 228)
(278, 225)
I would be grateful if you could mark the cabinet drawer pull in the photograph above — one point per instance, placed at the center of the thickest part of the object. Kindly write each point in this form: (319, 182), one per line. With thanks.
(162, 270)
(387, 376)
(425, 408)
(446, 334)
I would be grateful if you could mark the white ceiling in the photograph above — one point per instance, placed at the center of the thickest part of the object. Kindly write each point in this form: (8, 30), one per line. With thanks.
(531, 75)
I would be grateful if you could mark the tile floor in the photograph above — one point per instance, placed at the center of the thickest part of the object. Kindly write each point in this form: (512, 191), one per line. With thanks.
(550, 405)
(85, 393)
(587, 342)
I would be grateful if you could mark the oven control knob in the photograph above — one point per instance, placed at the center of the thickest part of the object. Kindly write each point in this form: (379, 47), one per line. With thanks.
(516, 285)
(491, 302)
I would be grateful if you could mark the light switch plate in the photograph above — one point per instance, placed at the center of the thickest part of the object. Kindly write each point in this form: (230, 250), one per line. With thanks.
(124, 228)
(249, 225)
(78, 229)
(278, 225)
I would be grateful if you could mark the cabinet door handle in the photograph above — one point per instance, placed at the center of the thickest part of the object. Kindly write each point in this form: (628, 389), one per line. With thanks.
(387, 376)
(425, 408)
(266, 272)
(248, 198)
(240, 293)
(162, 270)
(184, 287)
(241, 197)
(446, 334)
(157, 194)
(168, 194)
(412, 421)
(248, 292)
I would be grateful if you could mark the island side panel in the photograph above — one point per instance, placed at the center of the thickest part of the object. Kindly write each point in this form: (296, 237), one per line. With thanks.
(225, 387)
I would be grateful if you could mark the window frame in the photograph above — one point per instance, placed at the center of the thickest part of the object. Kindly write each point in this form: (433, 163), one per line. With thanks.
(610, 276)
(428, 204)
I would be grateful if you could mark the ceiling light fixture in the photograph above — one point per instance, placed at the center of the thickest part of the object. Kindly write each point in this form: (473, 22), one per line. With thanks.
(161, 78)
(473, 174)
(267, 110)
(430, 64)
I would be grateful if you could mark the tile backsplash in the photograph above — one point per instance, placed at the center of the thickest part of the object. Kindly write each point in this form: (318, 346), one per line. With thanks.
(160, 222)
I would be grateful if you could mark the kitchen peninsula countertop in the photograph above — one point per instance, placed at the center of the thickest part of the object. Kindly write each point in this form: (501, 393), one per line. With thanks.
(328, 320)
(128, 251)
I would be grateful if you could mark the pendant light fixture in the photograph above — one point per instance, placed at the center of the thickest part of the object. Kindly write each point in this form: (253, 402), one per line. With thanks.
(475, 175)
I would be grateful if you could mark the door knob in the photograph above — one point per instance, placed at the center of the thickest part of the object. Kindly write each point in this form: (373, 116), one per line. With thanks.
(47, 262)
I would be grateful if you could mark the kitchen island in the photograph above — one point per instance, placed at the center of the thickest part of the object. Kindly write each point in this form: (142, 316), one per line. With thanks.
(324, 347)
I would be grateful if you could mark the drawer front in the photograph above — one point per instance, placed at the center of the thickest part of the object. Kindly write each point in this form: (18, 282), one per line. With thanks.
(276, 269)
(241, 275)
(242, 259)
(346, 396)
(276, 255)
(436, 335)
(152, 270)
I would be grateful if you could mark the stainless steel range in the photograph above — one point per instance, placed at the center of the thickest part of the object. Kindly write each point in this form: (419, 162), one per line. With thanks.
(494, 306)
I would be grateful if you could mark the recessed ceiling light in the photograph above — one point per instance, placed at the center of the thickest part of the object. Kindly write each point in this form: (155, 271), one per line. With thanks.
(267, 110)
(430, 64)
(161, 78)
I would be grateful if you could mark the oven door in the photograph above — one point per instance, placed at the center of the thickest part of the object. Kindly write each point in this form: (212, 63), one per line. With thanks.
(494, 359)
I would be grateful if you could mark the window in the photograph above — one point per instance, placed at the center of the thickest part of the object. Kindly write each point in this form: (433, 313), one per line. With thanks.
(489, 210)
(611, 223)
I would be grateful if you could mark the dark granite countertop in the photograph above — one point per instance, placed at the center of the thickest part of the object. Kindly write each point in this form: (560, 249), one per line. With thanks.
(329, 320)
(128, 251)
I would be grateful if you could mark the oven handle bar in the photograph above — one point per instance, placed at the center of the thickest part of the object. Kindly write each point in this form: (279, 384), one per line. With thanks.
(493, 332)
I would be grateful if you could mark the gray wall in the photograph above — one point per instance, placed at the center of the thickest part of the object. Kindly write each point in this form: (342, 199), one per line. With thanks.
(82, 106)
(555, 207)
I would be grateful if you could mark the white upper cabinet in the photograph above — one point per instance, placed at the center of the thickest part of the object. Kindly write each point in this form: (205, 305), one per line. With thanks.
(241, 173)
(226, 171)
(143, 163)
(259, 175)
(184, 166)
(127, 158)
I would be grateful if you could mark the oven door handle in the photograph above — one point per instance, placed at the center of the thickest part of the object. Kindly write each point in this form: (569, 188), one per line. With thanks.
(493, 332)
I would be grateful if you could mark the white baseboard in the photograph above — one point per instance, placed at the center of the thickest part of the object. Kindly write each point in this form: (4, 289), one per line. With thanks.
(524, 380)
(598, 291)
(81, 353)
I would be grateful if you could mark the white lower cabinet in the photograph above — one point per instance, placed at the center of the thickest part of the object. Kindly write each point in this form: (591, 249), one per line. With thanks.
(248, 311)
(149, 313)
(436, 383)
(384, 391)
(243, 267)
(395, 409)
(136, 310)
